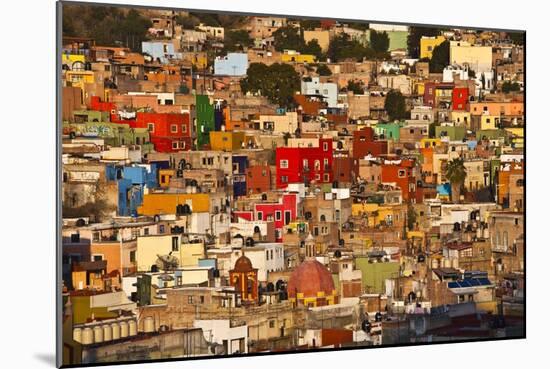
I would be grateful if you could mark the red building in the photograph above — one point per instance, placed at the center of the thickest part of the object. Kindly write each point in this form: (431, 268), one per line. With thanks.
(364, 144)
(304, 164)
(170, 132)
(258, 179)
(460, 98)
(110, 107)
(281, 213)
(401, 172)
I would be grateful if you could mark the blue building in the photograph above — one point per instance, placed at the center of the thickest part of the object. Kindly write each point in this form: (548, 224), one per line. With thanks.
(131, 181)
(161, 51)
(234, 64)
(240, 164)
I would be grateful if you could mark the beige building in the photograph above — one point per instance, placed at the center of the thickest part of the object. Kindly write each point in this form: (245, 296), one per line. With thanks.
(478, 58)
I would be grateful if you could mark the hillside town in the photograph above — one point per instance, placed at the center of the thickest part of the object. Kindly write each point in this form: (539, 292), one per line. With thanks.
(239, 184)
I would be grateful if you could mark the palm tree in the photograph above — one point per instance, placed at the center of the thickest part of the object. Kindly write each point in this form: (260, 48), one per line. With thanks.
(455, 173)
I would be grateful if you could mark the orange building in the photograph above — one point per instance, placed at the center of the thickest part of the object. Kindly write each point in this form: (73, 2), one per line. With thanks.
(258, 179)
(245, 279)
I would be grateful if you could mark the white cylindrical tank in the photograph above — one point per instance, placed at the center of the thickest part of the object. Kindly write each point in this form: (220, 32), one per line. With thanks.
(87, 336)
(98, 334)
(107, 332)
(132, 328)
(435, 264)
(446, 263)
(115, 328)
(77, 334)
(149, 324)
(123, 329)
(486, 233)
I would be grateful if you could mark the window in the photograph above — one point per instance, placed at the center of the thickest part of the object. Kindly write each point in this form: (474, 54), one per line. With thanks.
(401, 173)
(175, 244)
(133, 256)
(260, 215)
(325, 146)
(189, 299)
(75, 237)
(97, 257)
(151, 127)
(146, 231)
(202, 299)
(174, 128)
(283, 164)
(174, 145)
(161, 228)
(284, 179)
(326, 177)
(278, 215)
(183, 128)
(266, 254)
(95, 236)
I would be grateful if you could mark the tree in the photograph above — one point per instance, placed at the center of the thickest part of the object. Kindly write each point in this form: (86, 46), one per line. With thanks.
(440, 57)
(310, 24)
(455, 173)
(509, 86)
(323, 70)
(379, 41)
(343, 47)
(107, 25)
(313, 48)
(414, 36)
(278, 82)
(358, 87)
(236, 40)
(517, 38)
(288, 38)
(395, 105)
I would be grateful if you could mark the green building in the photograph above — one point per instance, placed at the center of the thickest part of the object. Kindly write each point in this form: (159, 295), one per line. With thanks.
(114, 134)
(455, 133)
(398, 39)
(374, 274)
(390, 131)
(205, 120)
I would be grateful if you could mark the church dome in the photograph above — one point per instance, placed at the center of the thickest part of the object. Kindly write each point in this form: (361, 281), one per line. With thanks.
(309, 278)
(243, 264)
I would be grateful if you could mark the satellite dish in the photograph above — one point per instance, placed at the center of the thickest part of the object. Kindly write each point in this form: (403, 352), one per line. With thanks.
(167, 262)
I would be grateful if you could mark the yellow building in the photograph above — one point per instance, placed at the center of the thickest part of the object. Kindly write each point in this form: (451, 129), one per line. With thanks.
(322, 37)
(375, 213)
(226, 141)
(166, 203)
(291, 56)
(149, 248)
(165, 175)
(461, 117)
(478, 58)
(78, 78)
(489, 121)
(430, 142)
(73, 61)
(428, 44)
(517, 136)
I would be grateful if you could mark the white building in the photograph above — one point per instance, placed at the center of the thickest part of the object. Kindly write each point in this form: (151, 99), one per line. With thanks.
(328, 90)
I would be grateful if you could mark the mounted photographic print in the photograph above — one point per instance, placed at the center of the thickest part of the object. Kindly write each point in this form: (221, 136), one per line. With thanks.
(234, 184)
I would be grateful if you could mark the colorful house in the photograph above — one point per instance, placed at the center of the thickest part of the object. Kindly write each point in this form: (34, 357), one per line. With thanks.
(205, 120)
(304, 164)
(281, 213)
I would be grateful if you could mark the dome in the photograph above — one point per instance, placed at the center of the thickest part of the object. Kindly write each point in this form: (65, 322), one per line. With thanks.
(243, 264)
(309, 278)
